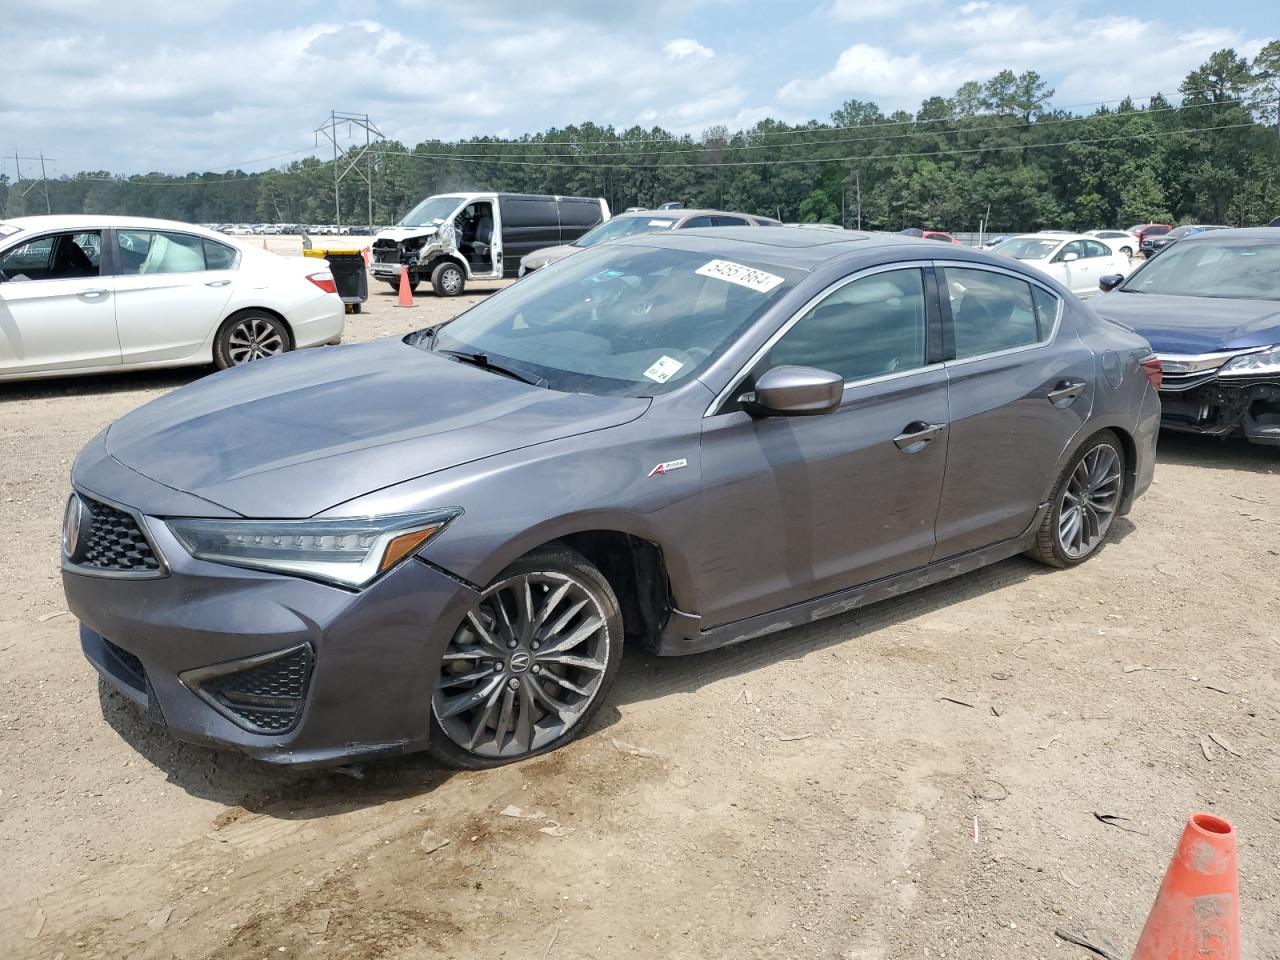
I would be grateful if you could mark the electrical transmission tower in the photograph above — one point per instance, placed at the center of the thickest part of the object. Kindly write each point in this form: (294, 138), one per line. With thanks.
(43, 181)
(352, 157)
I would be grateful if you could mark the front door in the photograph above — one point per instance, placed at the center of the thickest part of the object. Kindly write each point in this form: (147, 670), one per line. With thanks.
(1021, 388)
(481, 239)
(798, 507)
(170, 293)
(56, 309)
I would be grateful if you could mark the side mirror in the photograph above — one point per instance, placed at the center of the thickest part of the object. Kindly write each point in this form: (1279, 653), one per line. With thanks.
(1110, 282)
(1068, 257)
(795, 392)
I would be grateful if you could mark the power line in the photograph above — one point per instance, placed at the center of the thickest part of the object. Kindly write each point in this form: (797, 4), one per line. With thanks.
(806, 160)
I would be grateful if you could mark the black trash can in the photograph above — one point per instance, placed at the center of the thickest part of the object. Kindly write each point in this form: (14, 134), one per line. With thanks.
(350, 278)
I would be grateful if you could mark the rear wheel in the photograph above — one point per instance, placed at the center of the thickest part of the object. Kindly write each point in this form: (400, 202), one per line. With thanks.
(1127, 251)
(448, 280)
(529, 665)
(1084, 504)
(247, 336)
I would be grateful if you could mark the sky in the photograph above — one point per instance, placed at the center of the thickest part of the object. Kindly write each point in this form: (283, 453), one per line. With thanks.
(179, 85)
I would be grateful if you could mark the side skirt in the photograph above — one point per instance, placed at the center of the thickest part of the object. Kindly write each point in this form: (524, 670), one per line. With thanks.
(670, 645)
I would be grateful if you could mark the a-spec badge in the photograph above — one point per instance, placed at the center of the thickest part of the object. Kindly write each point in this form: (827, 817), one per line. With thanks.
(667, 467)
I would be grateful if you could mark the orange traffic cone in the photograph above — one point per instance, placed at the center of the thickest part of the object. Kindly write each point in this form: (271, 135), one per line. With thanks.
(406, 295)
(365, 253)
(264, 243)
(1197, 911)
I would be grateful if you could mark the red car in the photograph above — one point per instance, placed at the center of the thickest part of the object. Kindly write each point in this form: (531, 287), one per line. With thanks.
(930, 235)
(1143, 230)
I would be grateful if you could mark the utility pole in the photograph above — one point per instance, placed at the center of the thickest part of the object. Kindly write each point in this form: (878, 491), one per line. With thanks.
(857, 176)
(352, 121)
(44, 179)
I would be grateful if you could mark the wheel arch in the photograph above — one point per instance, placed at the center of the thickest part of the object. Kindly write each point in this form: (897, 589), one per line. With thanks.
(439, 258)
(1128, 447)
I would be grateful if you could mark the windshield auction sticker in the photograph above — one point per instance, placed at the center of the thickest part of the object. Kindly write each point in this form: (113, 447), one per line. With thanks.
(748, 277)
(663, 369)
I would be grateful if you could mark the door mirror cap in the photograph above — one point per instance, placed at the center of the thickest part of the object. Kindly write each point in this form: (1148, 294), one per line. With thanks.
(1068, 257)
(1110, 282)
(795, 392)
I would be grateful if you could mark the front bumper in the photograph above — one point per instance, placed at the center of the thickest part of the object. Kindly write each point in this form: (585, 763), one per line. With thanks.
(1248, 407)
(372, 657)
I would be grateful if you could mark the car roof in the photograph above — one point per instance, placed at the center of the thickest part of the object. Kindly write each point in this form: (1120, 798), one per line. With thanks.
(72, 221)
(684, 213)
(1237, 233)
(1050, 235)
(794, 246)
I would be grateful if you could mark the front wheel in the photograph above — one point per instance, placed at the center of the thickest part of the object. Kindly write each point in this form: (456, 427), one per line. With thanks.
(448, 280)
(1084, 503)
(247, 336)
(1127, 251)
(529, 664)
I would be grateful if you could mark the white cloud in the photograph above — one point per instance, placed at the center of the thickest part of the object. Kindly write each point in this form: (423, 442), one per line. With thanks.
(869, 71)
(853, 11)
(682, 47)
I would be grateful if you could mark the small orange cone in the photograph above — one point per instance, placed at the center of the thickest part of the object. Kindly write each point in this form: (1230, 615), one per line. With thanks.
(1197, 911)
(406, 295)
(264, 243)
(365, 254)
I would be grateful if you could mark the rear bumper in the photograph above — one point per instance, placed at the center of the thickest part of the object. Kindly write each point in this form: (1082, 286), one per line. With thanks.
(361, 666)
(1249, 409)
(320, 321)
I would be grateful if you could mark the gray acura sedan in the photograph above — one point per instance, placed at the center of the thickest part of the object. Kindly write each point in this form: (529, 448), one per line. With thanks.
(682, 441)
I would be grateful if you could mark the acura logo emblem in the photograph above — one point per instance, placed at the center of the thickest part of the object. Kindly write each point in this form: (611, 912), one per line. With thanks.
(520, 661)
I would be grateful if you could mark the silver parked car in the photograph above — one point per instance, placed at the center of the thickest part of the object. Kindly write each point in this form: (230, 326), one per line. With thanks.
(679, 441)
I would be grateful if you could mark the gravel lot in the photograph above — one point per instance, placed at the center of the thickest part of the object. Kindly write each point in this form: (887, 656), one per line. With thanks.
(808, 794)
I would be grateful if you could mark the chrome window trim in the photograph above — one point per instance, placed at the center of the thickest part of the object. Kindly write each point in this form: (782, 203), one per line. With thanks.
(141, 520)
(1024, 348)
(736, 380)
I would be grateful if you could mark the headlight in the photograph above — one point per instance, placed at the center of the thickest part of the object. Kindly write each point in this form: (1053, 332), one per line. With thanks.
(350, 553)
(1251, 364)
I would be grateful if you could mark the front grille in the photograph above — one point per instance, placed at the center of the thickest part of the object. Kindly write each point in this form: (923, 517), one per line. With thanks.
(386, 251)
(116, 542)
(264, 696)
(1177, 382)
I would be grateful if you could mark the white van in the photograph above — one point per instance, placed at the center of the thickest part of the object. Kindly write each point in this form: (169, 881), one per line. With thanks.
(455, 237)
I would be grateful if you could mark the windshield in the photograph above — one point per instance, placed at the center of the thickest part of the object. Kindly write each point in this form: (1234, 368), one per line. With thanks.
(1180, 232)
(625, 320)
(1243, 269)
(623, 227)
(1027, 248)
(431, 212)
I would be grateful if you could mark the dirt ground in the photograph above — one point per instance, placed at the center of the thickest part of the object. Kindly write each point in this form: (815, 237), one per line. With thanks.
(809, 794)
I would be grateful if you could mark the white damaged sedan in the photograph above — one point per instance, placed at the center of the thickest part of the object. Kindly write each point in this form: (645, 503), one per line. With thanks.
(90, 294)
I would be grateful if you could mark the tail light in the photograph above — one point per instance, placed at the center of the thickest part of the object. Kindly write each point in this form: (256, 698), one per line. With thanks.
(323, 280)
(1153, 370)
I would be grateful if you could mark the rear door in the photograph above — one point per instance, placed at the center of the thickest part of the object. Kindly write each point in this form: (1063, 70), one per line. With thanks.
(798, 507)
(577, 216)
(56, 306)
(171, 291)
(1021, 387)
(528, 224)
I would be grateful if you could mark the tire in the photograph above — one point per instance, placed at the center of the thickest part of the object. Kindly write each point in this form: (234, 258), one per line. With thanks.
(494, 698)
(1127, 251)
(1098, 468)
(250, 335)
(448, 280)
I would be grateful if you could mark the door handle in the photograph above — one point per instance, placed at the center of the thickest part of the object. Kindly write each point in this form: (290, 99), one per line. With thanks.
(1066, 391)
(217, 283)
(93, 293)
(916, 435)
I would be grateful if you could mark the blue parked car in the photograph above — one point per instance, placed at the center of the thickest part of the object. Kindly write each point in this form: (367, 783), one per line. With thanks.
(1210, 308)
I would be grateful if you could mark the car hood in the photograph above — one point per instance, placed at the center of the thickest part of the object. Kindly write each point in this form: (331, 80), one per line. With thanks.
(541, 257)
(298, 434)
(1193, 325)
(399, 234)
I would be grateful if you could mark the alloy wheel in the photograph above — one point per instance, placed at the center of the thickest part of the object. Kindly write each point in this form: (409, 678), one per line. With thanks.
(252, 339)
(524, 665)
(1088, 502)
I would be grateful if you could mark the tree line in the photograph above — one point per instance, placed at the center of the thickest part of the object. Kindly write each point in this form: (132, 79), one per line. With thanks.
(996, 151)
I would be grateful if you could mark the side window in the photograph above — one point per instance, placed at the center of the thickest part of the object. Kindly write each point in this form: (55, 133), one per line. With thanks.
(698, 222)
(1095, 249)
(580, 213)
(730, 222)
(867, 328)
(218, 256)
(62, 256)
(144, 252)
(990, 311)
(1075, 246)
(1046, 309)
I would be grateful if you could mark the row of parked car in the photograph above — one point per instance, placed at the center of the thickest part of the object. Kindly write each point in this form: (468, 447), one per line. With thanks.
(279, 229)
